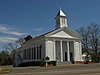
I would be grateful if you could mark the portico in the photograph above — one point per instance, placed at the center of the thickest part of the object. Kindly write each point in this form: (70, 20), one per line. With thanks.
(62, 51)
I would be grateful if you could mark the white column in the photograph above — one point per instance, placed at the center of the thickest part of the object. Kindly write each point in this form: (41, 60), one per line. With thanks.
(80, 51)
(77, 51)
(46, 47)
(68, 52)
(61, 51)
(54, 50)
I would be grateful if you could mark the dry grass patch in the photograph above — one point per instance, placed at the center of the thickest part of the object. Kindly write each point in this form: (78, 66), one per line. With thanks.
(5, 70)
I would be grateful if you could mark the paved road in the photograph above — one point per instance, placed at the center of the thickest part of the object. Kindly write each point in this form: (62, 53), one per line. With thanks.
(88, 69)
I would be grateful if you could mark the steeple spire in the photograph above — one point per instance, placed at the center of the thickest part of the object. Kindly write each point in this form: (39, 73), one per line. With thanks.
(61, 19)
(61, 13)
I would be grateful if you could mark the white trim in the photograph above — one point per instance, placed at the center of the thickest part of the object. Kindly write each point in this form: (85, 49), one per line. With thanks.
(54, 50)
(61, 51)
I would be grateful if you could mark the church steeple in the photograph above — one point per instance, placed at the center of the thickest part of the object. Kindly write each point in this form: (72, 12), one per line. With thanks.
(61, 19)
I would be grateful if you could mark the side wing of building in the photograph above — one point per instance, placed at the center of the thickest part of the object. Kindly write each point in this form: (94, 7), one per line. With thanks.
(30, 51)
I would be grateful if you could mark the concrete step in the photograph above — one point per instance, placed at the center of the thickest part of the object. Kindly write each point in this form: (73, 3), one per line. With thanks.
(63, 63)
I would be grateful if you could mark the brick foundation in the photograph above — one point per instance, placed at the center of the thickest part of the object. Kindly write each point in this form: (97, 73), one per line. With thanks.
(78, 62)
(82, 62)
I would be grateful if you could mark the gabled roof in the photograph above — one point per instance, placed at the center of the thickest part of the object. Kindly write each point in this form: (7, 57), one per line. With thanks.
(66, 29)
(53, 32)
(57, 30)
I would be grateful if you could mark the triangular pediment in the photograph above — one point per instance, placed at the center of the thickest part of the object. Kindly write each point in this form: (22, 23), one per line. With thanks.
(63, 33)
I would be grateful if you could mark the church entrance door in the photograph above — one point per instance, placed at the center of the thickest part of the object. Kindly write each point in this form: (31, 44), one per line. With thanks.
(65, 56)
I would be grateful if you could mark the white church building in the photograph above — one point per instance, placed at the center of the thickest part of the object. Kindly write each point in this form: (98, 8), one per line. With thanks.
(61, 45)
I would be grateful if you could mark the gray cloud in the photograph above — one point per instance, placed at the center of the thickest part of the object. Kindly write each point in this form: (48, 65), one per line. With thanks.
(8, 30)
(8, 39)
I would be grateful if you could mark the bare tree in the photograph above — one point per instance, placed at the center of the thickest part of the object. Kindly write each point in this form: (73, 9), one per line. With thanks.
(10, 46)
(5, 58)
(85, 38)
(20, 41)
(91, 40)
(94, 36)
(7, 55)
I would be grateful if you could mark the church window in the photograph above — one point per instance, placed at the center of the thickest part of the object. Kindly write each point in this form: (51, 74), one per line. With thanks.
(30, 53)
(27, 54)
(24, 54)
(40, 51)
(63, 21)
(37, 52)
(71, 56)
(66, 56)
(34, 52)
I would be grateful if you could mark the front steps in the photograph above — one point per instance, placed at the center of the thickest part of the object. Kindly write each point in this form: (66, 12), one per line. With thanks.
(63, 63)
